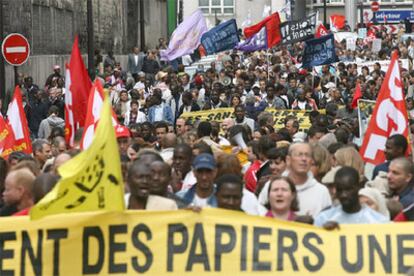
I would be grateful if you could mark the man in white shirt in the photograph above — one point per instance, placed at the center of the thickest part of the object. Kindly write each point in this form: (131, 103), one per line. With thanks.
(350, 211)
(313, 196)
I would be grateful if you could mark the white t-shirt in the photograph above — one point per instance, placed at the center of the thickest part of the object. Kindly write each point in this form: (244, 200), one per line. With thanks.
(200, 202)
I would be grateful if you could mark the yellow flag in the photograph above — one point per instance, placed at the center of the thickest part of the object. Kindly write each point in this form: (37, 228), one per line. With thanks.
(90, 181)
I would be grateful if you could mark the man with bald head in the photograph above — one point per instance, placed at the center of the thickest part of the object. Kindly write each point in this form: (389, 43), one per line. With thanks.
(400, 181)
(313, 196)
(59, 161)
(18, 191)
(168, 143)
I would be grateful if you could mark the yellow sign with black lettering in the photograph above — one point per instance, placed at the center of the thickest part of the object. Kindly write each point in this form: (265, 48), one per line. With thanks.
(212, 242)
(90, 181)
(219, 114)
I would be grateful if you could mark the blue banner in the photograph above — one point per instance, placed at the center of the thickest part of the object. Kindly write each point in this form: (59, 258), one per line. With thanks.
(220, 38)
(255, 43)
(393, 16)
(319, 51)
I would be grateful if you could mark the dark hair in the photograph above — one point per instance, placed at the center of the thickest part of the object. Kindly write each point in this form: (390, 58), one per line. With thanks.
(277, 153)
(3, 172)
(346, 174)
(228, 178)
(294, 206)
(203, 148)
(161, 124)
(265, 144)
(53, 109)
(315, 129)
(295, 121)
(204, 129)
(342, 135)
(43, 184)
(134, 102)
(399, 141)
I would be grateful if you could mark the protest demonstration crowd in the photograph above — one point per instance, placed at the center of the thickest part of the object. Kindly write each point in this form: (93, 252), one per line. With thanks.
(300, 127)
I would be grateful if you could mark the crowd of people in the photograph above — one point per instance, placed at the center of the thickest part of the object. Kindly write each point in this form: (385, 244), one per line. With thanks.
(241, 163)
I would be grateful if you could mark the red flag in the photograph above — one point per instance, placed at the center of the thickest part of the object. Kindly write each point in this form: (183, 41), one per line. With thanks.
(18, 123)
(272, 24)
(202, 51)
(337, 22)
(321, 31)
(70, 126)
(80, 84)
(95, 102)
(357, 96)
(389, 116)
(7, 139)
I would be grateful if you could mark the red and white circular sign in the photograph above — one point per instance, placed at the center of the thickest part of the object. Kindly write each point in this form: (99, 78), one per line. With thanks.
(375, 6)
(15, 49)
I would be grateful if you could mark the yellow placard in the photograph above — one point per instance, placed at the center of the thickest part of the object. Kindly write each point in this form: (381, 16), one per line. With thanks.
(220, 114)
(212, 242)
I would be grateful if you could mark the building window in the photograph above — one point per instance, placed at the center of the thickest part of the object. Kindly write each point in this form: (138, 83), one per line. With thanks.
(221, 7)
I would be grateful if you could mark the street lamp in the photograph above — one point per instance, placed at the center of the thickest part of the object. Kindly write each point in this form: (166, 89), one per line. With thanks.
(324, 12)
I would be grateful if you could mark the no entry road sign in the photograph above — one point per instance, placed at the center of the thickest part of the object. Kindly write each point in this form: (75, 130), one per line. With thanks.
(15, 49)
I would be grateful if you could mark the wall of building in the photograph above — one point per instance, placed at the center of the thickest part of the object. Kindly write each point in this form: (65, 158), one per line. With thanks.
(242, 9)
(50, 27)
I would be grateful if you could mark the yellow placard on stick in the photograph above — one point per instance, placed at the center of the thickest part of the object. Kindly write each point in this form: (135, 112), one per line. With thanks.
(212, 242)
(90, 181)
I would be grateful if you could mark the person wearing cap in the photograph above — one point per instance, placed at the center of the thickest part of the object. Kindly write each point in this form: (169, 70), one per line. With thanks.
(202, 193)
(123, 138)
(54, 76)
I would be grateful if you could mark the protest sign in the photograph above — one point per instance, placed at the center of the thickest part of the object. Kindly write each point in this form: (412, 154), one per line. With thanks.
(365, 109)
(376, 45)
(362, 33)
(351, 43)
(219, 114)
(220, 38)
(294, 31)
(212, 242)
(319, 51)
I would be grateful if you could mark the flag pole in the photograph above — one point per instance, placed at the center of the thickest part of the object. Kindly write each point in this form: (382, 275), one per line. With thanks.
(268, 64)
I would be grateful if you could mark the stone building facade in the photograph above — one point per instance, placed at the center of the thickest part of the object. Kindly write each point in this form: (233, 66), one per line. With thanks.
(50, 27)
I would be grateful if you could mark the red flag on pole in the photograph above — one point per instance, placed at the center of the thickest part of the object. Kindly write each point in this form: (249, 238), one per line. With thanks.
(95, 102)
(389, 116)
(272, 24)
(80, 84)
(357, 96)
(18, 123)
(7, 139)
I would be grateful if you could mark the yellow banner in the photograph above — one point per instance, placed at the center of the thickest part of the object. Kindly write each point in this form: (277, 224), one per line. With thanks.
(213, 242)
(220, 114)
